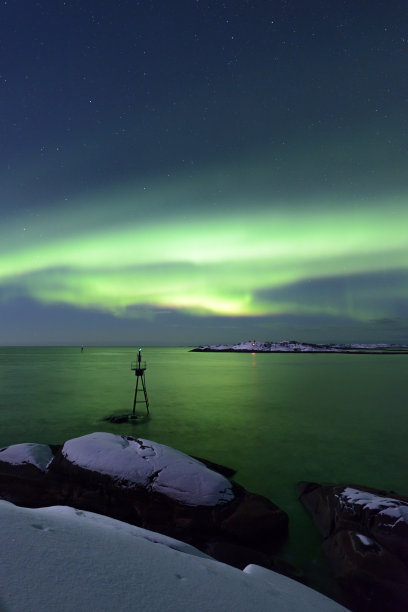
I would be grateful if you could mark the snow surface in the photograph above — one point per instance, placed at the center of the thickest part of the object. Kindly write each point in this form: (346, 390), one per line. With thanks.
(392, 508)
(38, 455)
(68, 560)
(155, 466)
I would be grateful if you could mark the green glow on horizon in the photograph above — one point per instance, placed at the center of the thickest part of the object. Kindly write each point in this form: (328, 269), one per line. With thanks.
(221, 264)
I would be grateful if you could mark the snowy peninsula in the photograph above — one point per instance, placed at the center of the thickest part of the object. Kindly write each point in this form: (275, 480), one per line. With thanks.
(293, 346)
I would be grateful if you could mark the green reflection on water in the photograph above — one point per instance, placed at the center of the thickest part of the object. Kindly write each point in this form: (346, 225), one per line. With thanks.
(276, 419)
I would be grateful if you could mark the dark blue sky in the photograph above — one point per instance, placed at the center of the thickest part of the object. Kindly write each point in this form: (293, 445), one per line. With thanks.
(190, 172)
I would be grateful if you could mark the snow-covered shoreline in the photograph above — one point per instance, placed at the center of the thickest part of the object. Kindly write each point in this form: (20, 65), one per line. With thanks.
(293, 346)
(66, 560)
(110, 521)
(99, 543)
(151, 485)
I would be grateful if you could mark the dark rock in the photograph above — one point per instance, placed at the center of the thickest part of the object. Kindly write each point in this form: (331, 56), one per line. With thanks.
(373, 578)
(118, 418)
(318, 501)
(24, 476)
(216, 467)
(236, 555)
(240, 556)
(366, 541)
(24, 471)
(255, 519)
(25, 460)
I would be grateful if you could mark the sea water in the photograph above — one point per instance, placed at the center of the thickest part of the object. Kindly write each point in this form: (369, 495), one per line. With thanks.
(275, 418)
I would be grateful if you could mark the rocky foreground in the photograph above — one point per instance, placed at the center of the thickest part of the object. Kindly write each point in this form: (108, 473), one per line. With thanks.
(150, 485)
(66, 558)
(365, 538)
(293, 346)
(157, 488)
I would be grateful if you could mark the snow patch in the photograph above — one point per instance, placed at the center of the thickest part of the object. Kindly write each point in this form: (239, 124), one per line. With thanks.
(394, 509)
(149, 464)
(38, 455)
(365, 540)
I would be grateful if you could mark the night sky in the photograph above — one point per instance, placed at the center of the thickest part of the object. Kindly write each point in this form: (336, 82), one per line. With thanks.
(196, 172)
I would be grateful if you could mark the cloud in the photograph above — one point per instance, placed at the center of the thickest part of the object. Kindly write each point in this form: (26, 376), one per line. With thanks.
(358, 296)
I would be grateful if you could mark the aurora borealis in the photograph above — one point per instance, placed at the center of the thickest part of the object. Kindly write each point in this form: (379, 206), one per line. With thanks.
(219, 173)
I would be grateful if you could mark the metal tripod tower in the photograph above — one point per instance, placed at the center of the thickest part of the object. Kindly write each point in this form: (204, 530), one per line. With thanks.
(139, 368)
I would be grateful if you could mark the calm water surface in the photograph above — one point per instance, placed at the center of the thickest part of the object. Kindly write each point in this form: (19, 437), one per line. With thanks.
(277, 419)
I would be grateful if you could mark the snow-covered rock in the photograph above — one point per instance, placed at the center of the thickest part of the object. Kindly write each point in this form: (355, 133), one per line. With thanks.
(38, 455)
(151, 485)
(66, 560)
(151, 465)
(27, 460)
(365, 535)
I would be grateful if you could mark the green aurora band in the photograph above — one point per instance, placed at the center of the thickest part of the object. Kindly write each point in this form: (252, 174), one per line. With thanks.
(113, 258)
